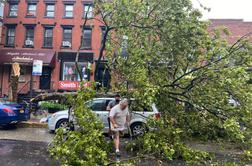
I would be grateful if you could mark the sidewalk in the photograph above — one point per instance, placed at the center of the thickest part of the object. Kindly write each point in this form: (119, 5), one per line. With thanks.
(33, 122)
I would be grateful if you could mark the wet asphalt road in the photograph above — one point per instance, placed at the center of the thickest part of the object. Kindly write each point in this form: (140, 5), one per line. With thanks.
(26, 134)
(25, 147)
(24, 153)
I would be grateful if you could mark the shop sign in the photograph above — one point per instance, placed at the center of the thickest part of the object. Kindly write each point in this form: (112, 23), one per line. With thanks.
(71, 85)
(37, 68)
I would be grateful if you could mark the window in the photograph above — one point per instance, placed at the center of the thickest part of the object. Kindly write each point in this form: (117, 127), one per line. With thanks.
(87, 38)
(29, 38)
(67, 37)
(70, 72)
(103, 30)
(50, 10)
(88, 10)
(10, 40)
(98, 105)
(13, 10)
(48, 37)
(31, 10)
(69, 10)
(22, 74)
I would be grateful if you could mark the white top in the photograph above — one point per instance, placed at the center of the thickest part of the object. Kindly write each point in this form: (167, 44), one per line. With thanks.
(119, 117)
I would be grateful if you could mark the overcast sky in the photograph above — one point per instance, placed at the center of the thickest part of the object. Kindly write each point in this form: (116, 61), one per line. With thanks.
(226, 8)
(222, 9)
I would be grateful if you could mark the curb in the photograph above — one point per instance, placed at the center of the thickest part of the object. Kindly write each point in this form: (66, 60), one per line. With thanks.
(32, 124)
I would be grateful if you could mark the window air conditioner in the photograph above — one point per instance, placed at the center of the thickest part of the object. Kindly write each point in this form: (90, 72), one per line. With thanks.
(66, 44)
(29, 42)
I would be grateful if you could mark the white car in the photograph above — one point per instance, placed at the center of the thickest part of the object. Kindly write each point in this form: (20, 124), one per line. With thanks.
(98, 105)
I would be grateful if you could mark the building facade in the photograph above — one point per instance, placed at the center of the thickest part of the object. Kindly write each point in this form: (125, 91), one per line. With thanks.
(1, 27)
(49, 31)
(236, 27)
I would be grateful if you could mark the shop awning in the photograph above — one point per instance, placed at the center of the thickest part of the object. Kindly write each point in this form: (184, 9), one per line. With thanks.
(8, 56)
(70, 56)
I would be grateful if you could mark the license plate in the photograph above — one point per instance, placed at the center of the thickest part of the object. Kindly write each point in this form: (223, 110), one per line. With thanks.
(21, 111)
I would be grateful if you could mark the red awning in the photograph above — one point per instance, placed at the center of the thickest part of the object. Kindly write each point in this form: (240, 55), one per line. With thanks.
(8, 56)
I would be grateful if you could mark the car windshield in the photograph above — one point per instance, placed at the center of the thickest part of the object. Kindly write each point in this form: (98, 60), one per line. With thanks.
(3, 101)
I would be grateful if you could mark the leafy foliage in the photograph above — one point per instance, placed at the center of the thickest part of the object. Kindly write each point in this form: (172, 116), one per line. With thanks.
(172, 59)
(85, 146)
(164, 142)
(52, 105)
(160, 51)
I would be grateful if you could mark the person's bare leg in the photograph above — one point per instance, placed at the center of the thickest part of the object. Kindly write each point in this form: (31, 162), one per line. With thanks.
(117, 141)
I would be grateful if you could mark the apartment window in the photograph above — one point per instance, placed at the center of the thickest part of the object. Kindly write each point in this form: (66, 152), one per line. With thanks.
(87, 38)
(29, 38)
(69, 10)
(48, 37)
(50, 10)
(31, 10)
(13, 10)
(10, 40)
(70, 72)
(88, 10)
(103, 30)
(67, 37)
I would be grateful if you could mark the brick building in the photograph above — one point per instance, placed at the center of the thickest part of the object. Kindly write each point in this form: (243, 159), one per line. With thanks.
(1, 26)
(237, 27)
(50, 31)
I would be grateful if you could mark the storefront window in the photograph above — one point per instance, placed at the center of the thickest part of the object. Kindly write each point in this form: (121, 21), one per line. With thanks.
(70, 72)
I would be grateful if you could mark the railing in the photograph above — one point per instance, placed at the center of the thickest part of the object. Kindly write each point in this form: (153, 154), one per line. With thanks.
(27, 82)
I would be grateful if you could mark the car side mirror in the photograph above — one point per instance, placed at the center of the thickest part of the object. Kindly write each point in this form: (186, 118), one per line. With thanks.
(145, 110)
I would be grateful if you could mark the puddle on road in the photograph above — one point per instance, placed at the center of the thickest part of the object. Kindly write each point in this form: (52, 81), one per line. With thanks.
(5, 149)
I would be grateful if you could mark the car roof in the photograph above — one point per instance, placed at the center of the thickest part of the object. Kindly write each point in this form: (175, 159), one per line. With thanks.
(104, 98)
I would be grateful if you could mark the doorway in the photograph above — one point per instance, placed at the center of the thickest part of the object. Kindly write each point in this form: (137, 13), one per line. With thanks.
(45, 79)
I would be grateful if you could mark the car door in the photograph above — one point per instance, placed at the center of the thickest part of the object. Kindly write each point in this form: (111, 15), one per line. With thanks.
(99, 107)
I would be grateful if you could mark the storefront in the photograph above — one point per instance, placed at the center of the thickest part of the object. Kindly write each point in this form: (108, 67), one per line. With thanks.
(69, 75)
(25, 59)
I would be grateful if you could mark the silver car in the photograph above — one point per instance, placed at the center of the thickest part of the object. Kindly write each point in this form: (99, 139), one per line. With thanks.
(139, 116)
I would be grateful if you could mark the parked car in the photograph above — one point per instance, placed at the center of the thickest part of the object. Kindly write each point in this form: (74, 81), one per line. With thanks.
(139, 116)
(12, 113)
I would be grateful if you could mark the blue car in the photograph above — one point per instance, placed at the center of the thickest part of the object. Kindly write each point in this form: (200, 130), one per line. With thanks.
(11, 113)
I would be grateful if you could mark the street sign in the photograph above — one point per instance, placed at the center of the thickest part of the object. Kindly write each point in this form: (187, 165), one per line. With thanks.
(37, 68)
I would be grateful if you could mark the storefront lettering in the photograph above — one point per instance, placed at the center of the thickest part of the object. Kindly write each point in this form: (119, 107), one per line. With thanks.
(68, 85)
(71, 85)
(25, 54)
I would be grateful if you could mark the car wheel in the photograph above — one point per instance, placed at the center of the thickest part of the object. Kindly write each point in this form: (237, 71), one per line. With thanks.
(64, 124)
(138, 129)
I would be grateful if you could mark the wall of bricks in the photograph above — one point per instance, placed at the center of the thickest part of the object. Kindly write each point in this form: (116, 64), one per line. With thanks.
(58, 21)
(237, 28)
